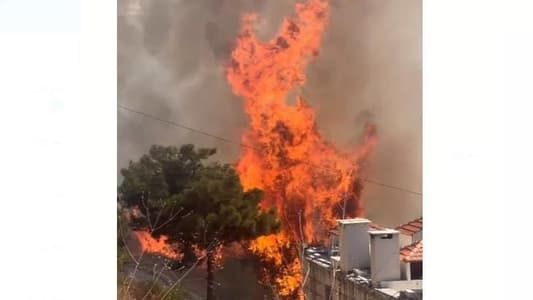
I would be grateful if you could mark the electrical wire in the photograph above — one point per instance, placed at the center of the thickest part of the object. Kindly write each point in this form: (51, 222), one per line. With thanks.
(177, 125)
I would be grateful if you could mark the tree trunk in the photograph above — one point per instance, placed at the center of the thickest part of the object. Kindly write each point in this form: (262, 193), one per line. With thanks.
(210, 276)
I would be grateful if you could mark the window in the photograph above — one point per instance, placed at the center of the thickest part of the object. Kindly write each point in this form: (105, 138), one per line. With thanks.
(416, 270)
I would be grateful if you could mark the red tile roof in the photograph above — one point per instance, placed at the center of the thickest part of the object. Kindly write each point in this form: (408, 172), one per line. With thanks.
(411, 227)
(412, 253)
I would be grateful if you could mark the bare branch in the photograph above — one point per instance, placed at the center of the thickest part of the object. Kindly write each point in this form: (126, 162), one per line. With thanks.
(212, 245)
(171, 218)
(132, 275)
(154, 279)
(159, 213)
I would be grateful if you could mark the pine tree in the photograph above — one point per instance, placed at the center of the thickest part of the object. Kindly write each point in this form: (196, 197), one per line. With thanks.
(202, 205)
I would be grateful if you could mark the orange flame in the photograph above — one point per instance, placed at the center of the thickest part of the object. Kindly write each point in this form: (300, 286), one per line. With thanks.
(218, 252)
(308, 180)
(158, 246)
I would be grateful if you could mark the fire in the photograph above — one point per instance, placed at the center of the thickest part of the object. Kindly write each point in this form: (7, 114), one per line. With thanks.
(159, 246)
(218, 252)
(308, 180)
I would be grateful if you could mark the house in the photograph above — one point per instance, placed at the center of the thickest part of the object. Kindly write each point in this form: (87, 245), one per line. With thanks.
(411, 260)
(410, 232)
(366, 261)
(411, 249)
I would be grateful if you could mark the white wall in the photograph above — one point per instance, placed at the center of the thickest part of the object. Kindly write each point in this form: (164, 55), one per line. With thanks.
(417, 236)
(404, 271)
(354, 244)
(384, 255)
(405, 240)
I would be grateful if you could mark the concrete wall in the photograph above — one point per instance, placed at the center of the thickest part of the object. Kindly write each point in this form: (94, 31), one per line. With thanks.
(403, 284)
(405, 240)
(349, 290)
(404, 271)
(417, 236)
(385, 255)
(321, 279)
(354, 244)
(318, 279)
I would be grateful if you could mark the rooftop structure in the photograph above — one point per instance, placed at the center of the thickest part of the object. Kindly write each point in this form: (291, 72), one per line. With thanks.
(411, 261)
(365, 261)
(411, 228)
(412, 253)
(410, 232)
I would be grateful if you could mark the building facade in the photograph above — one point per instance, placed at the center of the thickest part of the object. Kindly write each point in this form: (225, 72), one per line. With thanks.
(365, 262)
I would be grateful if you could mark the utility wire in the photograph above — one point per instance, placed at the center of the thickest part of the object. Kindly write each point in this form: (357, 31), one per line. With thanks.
(177, 125)
(184, 127)
(391, 186)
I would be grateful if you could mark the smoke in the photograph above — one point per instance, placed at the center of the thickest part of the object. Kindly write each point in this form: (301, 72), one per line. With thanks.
(370, 69)
(170, 56)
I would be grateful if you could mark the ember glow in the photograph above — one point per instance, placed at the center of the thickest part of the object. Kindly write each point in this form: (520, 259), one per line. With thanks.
(217, 251)
(309, 181)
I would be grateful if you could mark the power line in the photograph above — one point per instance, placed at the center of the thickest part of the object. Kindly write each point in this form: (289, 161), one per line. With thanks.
(185, 127)
(174, 124)
(177, 125)
(392, 186)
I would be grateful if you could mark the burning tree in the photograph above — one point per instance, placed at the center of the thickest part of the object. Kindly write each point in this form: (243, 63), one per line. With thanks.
(201, 207)
(308, 180)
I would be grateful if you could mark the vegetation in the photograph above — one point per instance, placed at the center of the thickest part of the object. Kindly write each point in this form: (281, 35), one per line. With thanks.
(122, 232)
(148, 291)
(202, 205)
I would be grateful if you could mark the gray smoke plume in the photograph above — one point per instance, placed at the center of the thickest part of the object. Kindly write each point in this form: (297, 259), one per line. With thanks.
(170, 64)
(370, 69)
